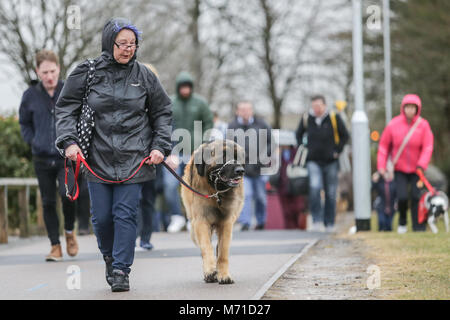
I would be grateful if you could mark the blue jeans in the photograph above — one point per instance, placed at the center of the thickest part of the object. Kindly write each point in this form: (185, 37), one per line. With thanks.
(171, 193)
(323, 177)
(384, 219)
(255, 189)
(114, 218)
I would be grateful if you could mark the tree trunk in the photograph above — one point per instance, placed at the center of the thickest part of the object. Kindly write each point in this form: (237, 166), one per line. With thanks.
(269, 65)
(277, 114)
(196, 60)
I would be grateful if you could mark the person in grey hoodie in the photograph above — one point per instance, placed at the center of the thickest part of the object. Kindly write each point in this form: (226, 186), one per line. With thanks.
(132, 121)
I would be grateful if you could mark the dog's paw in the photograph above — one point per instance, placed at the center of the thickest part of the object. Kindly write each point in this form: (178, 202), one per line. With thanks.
(226, 280)
(210, 277)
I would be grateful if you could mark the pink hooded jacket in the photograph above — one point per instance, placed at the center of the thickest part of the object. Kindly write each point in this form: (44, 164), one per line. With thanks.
(419, 148)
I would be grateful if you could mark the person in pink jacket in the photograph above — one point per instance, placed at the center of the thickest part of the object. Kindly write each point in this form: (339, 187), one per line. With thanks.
(416, 155)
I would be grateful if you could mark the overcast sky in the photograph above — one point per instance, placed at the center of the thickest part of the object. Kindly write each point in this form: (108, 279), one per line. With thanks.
(11, 88)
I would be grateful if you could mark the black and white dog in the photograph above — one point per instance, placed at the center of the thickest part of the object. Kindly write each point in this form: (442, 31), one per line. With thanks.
(437, 205)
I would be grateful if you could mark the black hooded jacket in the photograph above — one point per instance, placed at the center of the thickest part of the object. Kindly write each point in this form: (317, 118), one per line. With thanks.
(133, 113)
(320, 139)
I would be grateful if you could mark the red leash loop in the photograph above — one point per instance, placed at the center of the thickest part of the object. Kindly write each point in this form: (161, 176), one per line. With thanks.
(80, 160)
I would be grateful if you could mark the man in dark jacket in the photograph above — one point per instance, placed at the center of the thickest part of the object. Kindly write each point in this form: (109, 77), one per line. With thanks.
(188, 107)
(326, 136)
(37, 121)
(254, 182)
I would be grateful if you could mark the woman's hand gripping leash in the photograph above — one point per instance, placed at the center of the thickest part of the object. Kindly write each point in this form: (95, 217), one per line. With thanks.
(73, 153)
(156, 157)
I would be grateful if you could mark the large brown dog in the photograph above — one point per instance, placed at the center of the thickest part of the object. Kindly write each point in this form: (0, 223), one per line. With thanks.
(214, 168)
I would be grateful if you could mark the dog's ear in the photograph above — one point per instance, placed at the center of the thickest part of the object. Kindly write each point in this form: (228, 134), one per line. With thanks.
(201, 168)
(199, 161)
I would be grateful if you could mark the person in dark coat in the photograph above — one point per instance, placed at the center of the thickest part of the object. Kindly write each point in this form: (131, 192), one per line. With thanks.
(37, 124)
(322, 160)
(254, 182)
(132, 121)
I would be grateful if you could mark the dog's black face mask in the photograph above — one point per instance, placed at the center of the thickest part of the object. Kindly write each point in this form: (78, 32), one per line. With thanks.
(228, 174)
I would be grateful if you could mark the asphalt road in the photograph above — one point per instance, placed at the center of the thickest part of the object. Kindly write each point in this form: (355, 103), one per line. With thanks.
(171, 271)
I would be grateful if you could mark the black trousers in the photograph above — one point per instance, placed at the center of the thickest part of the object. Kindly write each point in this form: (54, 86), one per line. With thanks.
(48, 171)
(146, 211)
(83, 204)
(407, 190)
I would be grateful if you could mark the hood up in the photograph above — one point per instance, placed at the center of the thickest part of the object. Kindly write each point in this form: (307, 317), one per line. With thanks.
(183, 78)
(412, 99)
(110, 32)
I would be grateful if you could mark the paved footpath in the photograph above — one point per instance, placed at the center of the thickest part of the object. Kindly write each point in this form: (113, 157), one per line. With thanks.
(171, 271)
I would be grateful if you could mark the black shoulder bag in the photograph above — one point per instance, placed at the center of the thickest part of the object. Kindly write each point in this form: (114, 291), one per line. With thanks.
(297, 173)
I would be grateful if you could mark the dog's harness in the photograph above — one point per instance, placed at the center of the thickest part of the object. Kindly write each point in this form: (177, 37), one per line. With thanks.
(81, 160)
(215, 175)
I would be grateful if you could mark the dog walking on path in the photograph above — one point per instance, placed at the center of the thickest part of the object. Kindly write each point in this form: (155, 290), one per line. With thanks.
(214, 168)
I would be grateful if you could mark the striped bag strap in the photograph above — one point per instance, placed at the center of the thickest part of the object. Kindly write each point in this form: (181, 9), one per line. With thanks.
(405, 141)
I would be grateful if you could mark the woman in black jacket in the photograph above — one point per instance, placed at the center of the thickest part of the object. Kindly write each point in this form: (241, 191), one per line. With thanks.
(132, 120)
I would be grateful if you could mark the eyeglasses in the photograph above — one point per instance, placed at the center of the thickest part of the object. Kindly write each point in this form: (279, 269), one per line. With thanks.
(124, 46)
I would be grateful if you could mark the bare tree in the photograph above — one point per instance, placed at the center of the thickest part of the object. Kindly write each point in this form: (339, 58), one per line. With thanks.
(188, 35)
(277, 35)
(236, 49)
(71, 29)
(266, 49)
(172, 40)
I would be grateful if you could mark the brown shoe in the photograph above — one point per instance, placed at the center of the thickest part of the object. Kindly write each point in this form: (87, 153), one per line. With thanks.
(55, 253)
(71, 243)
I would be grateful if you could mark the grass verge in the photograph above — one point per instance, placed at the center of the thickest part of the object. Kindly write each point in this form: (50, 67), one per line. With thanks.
(415, 265)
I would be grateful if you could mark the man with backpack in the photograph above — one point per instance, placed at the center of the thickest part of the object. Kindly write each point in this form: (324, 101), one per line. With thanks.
(325, 135)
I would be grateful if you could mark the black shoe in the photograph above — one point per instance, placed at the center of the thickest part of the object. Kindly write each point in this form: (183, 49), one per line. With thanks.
(245, 227)
(109, 269)
(84, 232)
(120, 281)
(146, 245)
(259, 227)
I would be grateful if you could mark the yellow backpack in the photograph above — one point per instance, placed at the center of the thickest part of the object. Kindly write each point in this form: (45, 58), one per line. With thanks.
(335, 129)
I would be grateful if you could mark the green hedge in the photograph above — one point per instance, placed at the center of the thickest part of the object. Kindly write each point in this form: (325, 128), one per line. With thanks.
(15, 154)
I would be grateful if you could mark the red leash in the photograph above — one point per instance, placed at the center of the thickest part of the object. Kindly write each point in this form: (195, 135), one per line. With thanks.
(80, 160)
(422, 214)
(425, 181)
